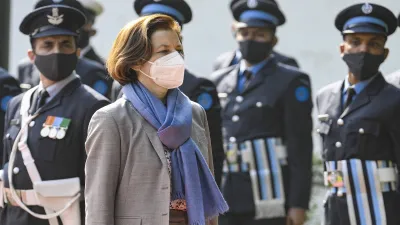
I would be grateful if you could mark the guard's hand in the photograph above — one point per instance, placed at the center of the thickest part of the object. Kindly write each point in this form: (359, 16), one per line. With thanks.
(296, 216)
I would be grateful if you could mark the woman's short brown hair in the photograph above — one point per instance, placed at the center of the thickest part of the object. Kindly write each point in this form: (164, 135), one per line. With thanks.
(133, 45)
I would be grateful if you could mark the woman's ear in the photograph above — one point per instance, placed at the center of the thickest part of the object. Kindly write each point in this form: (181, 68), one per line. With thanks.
(136, 68)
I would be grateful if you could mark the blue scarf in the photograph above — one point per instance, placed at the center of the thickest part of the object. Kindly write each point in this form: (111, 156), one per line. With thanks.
(190, 176)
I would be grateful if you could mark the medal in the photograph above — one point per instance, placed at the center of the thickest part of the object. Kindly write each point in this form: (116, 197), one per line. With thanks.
(61, 134)
(63, 128)
(46, 126)
(45, 131)
(55, 127)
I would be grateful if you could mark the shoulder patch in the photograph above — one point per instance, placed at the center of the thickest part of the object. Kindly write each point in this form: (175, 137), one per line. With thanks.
(302, 93)
(205, 100)
(101, 87)
(4, 101)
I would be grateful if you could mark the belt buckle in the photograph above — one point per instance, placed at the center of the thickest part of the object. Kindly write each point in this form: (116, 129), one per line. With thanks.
(10, 200)
(231, 156)
(335, 179)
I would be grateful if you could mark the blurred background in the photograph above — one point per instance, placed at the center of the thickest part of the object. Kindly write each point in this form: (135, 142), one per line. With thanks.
(309, 35)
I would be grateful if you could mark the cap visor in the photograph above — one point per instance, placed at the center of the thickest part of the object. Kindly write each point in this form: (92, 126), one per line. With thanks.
(365, 29)
(254, 23)
(55, 32)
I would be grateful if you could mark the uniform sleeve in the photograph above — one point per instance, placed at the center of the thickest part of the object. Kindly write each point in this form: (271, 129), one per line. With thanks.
(102, 169)
(298, 139)
(395, 134)
(207, 97)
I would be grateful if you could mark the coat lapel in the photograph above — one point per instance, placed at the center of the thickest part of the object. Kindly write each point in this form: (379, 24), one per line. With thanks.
(155, 141)
(229, 82)
(228, 60)
(334, 102)
(372, 89)
(56, 101)
(259, 77)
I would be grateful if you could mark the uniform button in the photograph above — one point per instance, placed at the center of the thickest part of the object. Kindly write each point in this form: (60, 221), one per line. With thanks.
(239, 99)
(8, 136)
(318, 131)
(259, 104)
(32, 123)
(235, 118)
(340, 122)
(338, 144)
(361, 131)
(16, 170)
(232, 139)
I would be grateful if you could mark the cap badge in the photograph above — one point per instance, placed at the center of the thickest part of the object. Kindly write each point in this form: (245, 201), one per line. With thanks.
(252, 3)
(55, 19)
(57, 1)
(367, 8)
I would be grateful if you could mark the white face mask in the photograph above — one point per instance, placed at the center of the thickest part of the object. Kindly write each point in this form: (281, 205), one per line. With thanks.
(167, 71)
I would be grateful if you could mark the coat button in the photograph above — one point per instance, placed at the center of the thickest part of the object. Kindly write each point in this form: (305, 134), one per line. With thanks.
(232, 139)
(16, 170)
(338, 144)
(8, 136)
(32, 123)
(340, 122)
(235, 118)
(361, 131)
(259, 104)
(239, 99)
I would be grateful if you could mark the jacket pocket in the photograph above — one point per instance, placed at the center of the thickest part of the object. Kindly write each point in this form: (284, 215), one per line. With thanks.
(126, 220)
(364, 135)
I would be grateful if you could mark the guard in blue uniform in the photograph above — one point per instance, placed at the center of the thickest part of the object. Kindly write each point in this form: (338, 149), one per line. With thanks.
(267, 126)
(9, 87)
(360, 126)
(91, 73)
(63, 107)
(93, 9)
(228, 59)
(198, 89)
(394, 78)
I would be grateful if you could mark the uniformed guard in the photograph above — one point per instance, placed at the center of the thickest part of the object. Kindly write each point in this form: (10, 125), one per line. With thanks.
(91, 73)
(197, 89)
(9, 87)
(394, 78)
(267, 126)
(360, 126)
(93, 9)
(228, 59)
(46, 127)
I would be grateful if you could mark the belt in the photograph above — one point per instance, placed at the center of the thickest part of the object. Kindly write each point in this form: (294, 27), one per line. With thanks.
(263, 159)
(363, 181)
(28, 197)
(386, 174)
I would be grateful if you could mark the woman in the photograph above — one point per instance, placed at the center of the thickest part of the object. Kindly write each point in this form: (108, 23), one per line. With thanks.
(148, 152)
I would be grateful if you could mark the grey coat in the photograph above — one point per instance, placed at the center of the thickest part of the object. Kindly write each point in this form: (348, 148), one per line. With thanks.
(127, 178)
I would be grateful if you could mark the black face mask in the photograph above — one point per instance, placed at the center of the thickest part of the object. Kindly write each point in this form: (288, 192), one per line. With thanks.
(363, 65)
(56, 66)
(255, 51)
(83, 39)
